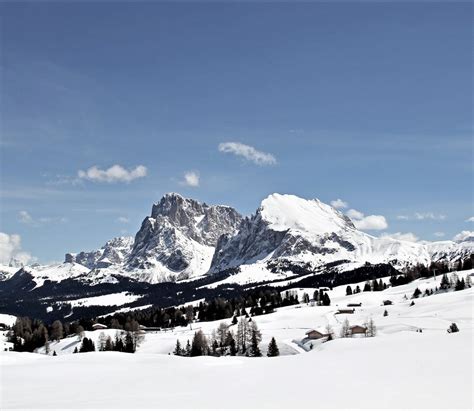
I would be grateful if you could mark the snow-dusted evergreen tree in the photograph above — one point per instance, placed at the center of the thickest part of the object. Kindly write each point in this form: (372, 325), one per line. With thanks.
(187, 350)
(273, 350)
(371, 328)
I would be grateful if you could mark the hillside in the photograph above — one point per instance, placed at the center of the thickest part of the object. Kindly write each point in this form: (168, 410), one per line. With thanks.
(397, 365)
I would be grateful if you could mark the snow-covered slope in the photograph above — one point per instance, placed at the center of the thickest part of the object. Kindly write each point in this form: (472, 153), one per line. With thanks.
(309, 232)
(114, 252)
(399, 368)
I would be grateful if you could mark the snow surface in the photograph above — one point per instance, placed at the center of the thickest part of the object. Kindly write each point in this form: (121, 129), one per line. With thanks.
(285, 211)
(105, 300)
(399, 368)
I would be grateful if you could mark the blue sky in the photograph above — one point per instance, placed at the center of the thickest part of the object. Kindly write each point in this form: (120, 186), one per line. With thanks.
(368, 102)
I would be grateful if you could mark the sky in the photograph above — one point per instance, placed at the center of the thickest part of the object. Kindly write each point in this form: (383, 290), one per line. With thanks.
(106, 106)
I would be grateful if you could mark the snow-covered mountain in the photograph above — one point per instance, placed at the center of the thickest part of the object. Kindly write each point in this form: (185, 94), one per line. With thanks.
(309, 232)
(183, 238)
(178, 239)
(115, 251)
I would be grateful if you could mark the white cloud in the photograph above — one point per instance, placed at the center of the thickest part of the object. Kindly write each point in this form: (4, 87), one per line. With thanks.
(429, 216)
(248, 152)
(113, 174)
(191, 179)
(370, 222)
(124, 220)
(463, 235)
(439, 234)
(24, 217)
(470, 220)
(354, 214)
(339, 203)
(10, 249)
(402, 236)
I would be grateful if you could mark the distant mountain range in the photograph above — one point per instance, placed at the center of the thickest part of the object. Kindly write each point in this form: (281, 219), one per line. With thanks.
(184, 240)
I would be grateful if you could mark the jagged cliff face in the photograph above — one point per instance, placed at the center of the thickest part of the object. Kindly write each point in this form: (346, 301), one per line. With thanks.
(179, 237)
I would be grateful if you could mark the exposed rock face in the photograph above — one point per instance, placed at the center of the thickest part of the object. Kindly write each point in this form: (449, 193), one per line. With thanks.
(179, 237)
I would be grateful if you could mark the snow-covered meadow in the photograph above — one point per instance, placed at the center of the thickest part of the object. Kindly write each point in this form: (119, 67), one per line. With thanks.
(399, 368)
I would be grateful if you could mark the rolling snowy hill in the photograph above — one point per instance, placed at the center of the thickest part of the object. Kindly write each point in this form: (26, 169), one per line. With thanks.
(398, 368)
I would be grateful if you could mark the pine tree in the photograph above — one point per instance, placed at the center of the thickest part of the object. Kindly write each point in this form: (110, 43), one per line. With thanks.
(254, 349)
(444, 285)
(108, 344)
(348, 290)
(385, 313)
(199, 344)
(187, 350)
(453, 328)
(367, 287)
(273, 350)
(75, 351)
(232, 348)
(416, 293)
(54, 354)
(215, 346)
(130, 345)
(178, 350)
(326, 300)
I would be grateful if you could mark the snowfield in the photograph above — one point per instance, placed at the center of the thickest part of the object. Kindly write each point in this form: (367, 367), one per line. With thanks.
(399, 368)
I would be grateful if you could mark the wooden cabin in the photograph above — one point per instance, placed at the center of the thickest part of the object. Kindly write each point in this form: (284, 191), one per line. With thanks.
(354, 305)
(387, 302)
(315, 335)
(358, 330)
(345, 311)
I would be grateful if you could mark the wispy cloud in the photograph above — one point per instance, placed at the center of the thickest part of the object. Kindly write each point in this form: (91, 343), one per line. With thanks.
(114, 174)
(248, 152)
(339, 204)
(439, 234)
(422, 216)
(123, 220)
(25, 217)
(470, 220)
(191, 179)
(10, 249)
